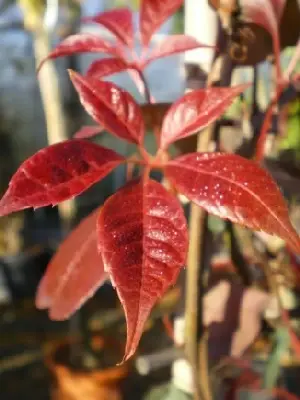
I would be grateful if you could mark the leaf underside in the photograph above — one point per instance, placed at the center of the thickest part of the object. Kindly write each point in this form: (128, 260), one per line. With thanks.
(142, 236)
(74, 273)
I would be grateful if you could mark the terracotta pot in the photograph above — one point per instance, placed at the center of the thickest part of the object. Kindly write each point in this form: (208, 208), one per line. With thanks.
(80, 384)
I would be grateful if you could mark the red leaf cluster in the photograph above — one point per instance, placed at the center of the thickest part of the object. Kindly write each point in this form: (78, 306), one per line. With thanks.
(120, 23)
(142, 248)
(141, 239)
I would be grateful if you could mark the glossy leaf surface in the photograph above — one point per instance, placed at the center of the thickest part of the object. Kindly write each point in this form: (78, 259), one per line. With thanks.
(118, 21)
(57, 173)
(172, 45)
(234, 188)
(111, 107)
(74, 273)
(82, 43)
(195, 110)
(153, 14)
(107, 66)
(87, 132)
(143, 239)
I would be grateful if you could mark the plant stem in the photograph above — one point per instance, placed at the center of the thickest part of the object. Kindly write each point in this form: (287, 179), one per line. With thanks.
(194, 272)
(197, 353)
(147, 93)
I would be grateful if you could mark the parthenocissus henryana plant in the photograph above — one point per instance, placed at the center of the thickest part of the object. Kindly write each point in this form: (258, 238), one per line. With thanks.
(138, 238)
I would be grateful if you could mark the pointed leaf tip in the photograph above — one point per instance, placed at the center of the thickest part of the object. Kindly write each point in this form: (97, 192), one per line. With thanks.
(143, 249)
(153, 14)
(234, 188)
(57, 173)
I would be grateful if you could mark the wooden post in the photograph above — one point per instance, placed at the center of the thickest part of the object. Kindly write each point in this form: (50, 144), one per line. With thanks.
(201, 22)
(49, 88)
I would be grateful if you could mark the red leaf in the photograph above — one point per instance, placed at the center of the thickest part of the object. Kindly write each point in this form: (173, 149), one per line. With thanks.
(74, 273)
(195, 110)
(57, 173)
(143, 238)
(107, 66)
(234, 188)
(118, 21)
(153, 14)
(82, 43)
(111, 107)
(87, 132)
(172, 45)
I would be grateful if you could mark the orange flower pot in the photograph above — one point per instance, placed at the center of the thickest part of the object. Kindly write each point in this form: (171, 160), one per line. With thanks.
(81, 384)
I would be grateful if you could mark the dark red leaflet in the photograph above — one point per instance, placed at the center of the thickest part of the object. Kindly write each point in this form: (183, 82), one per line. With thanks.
(142, 236)
(235, 188)
(57, 173)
